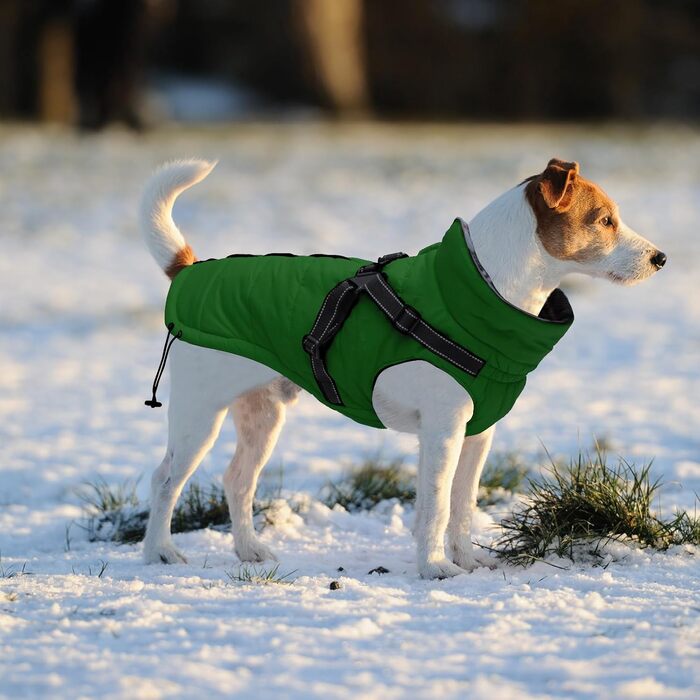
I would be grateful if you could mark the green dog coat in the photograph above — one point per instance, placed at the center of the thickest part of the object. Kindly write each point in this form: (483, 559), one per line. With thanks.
(263, 307)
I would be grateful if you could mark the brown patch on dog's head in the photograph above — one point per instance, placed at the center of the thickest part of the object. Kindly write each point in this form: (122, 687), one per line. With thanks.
(183, 258)
(576, 220)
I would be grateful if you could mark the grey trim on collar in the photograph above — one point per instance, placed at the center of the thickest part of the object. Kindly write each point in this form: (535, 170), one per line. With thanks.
(556, 309)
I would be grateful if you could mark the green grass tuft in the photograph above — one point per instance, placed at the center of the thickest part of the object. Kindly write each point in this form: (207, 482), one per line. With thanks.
(581, 506)
(503, 475)
(12, 571)
(684, 528)
(97, 571)
(259, 575)
(373, 481)
(200, 507)
(115, 514)
(101, 497)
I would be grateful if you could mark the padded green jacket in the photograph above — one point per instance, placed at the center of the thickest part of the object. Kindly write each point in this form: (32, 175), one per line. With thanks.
(261, 307)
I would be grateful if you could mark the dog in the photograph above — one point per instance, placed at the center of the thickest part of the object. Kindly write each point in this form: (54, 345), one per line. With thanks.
(525, 241)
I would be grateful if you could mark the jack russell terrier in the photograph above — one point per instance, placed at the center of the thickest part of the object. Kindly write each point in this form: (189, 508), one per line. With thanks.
(438, 344)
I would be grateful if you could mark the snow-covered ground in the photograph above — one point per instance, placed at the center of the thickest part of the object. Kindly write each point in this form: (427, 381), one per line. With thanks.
(80, 338)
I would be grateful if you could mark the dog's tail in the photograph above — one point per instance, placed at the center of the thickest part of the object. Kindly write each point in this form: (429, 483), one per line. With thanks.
(163, 238)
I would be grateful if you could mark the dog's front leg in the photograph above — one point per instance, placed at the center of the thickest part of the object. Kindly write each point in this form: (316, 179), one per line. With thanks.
(441, 439)
(465, 487)
(417, 397)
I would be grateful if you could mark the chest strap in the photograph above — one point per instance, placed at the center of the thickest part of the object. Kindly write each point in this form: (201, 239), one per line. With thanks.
(339, 303)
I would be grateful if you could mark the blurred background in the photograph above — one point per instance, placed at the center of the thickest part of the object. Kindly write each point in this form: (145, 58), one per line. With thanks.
(142, 62)
(341, 126)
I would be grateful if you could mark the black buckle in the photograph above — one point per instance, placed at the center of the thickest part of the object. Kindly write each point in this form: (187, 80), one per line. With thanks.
(371, 269)
(390, 257)
(311, 345)
(375, 267)
(406, 320)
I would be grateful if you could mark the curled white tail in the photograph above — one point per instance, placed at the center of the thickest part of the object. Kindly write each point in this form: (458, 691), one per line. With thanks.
(162, 236)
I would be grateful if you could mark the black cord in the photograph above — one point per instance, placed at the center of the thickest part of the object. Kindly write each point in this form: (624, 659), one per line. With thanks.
(153, 402)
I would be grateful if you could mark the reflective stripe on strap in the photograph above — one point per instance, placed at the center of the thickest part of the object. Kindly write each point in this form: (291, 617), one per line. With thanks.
(338, 305)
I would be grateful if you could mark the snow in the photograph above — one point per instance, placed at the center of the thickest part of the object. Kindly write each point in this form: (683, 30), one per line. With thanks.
(80, 337)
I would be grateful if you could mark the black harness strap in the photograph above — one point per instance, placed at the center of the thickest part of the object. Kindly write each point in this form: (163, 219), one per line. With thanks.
(338, 305)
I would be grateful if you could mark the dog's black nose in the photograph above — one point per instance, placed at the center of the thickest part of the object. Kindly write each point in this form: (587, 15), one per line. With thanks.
(658, 260)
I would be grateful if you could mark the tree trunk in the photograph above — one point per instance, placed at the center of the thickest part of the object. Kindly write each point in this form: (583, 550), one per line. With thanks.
(334, 33)
(56, 94)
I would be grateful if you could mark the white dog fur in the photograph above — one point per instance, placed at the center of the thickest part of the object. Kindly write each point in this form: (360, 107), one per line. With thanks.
(413, 397)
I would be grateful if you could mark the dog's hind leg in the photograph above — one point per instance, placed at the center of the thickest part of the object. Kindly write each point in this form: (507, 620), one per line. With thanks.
(194, 422)
(465, 487)
(259, 416)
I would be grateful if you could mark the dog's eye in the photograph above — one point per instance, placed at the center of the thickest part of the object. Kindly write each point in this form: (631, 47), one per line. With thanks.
(607, 221)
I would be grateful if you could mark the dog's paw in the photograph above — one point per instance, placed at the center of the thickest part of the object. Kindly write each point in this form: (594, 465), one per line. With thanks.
(254, 550)
(163, 554)
(484, 559)
(471, 561)
(439, 569)
(464, 555)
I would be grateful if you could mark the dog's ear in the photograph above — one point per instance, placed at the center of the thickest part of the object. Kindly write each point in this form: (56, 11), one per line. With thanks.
(556, 183)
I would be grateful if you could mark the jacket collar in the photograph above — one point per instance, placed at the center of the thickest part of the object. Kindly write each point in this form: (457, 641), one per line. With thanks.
(512, 340)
